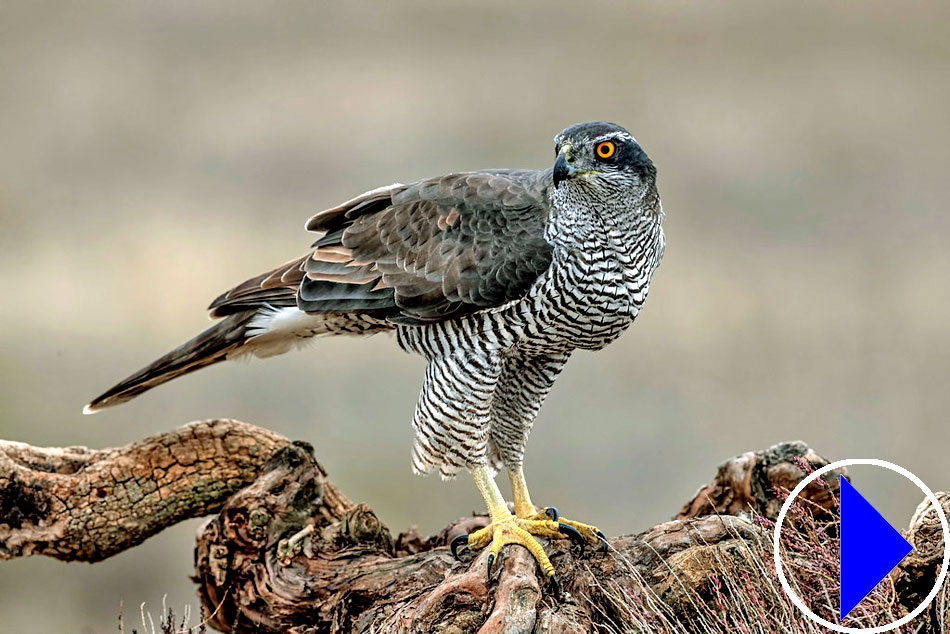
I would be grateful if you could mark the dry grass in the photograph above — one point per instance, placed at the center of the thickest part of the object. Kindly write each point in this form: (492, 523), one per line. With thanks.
(744, 594)
(168, 622)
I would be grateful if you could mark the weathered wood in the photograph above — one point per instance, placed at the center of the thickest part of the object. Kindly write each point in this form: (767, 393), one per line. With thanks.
(920, 568)
(80, 504)
(285, 551)
(748, 482)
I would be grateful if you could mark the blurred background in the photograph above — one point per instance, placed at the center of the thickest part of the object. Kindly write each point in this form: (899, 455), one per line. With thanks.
(154, 154)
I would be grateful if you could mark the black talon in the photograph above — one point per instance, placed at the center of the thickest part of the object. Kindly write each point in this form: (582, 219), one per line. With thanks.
(573, 534)
(460, 540)
(552, 513)
(603, 543)
(555, 586)
(491, 560)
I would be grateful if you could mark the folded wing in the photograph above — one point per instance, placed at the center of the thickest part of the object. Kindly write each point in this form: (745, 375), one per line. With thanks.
(416, 254)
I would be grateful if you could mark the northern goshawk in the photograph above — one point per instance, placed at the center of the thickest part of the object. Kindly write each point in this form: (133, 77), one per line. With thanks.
(494, 276)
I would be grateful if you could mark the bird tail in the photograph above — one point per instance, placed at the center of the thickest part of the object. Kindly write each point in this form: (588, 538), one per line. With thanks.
(217, 343)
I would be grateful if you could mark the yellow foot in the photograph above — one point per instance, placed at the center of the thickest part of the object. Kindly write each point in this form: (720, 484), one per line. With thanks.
(591, 534)
(518, 530)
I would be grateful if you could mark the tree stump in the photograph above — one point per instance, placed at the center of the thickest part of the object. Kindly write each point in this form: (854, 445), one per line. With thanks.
(285, 551)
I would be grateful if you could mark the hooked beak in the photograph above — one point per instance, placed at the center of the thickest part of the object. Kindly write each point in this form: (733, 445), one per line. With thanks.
(564, 165)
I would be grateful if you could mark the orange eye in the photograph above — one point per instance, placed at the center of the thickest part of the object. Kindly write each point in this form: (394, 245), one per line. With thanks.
(606, 149)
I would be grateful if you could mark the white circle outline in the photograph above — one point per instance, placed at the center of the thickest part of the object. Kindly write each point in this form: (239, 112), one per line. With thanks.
(801, 604)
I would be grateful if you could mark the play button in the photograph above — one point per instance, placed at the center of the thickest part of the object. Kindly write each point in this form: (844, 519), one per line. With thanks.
(870, 547)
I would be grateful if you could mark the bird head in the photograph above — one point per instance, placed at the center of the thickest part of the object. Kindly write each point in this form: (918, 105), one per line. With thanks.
(601, 159)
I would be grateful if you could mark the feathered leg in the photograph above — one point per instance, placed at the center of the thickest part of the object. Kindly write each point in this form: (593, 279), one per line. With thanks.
(452, 416)
(453, 425)
(525, 381)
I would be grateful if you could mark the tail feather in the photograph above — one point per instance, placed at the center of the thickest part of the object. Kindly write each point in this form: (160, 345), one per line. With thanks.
(213, 345)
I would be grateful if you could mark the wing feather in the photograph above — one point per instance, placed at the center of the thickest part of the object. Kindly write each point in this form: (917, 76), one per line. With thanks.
(418, 253)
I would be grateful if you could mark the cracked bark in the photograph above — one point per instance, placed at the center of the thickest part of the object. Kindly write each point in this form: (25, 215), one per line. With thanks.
(285, 551)
(79, 504)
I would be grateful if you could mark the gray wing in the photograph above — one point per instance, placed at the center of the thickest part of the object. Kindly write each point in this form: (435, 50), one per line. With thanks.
(417, 254)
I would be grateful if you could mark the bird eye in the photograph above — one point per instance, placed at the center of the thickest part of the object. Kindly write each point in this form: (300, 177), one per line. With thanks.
(606, 149)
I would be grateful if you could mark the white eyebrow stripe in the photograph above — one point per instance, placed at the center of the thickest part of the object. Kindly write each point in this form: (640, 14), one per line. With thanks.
(614, 135)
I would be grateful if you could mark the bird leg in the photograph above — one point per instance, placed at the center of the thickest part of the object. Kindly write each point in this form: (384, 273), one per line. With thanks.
(505, 528)
(526, 510)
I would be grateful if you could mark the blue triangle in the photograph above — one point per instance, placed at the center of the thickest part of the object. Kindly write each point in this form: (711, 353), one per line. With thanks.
(870, 547)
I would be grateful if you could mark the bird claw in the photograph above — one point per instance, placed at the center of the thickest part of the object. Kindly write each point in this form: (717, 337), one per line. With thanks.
(544, 528)
(604, 545)
(457, 542)
(573, 534)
